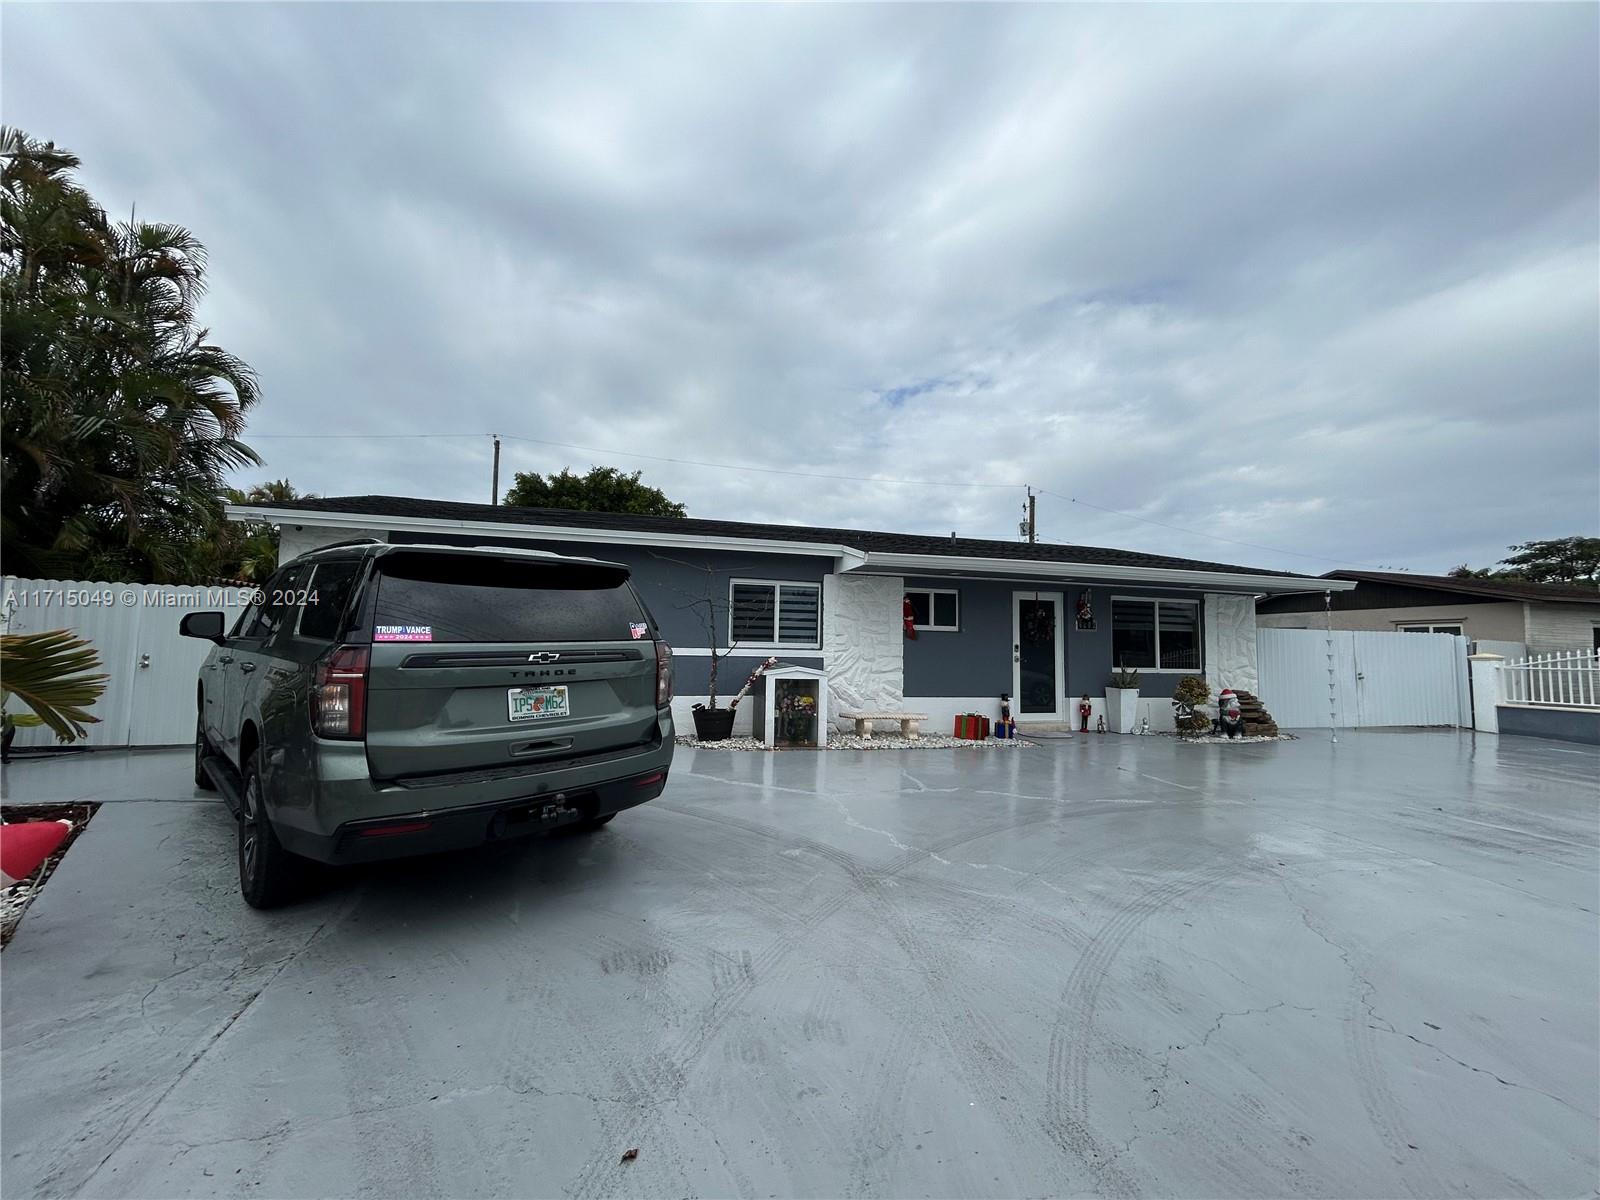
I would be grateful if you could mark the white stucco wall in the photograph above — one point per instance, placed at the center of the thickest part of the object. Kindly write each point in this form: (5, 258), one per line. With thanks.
(864, 641)
(1230, 643)
(295, 540)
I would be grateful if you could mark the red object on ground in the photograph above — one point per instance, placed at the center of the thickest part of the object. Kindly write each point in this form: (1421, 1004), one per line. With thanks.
(26, 844)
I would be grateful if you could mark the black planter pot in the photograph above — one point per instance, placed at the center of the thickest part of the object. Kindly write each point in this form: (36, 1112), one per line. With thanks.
(713, 724)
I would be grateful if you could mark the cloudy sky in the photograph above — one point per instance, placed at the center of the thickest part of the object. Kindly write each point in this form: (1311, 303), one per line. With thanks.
(1324, 280)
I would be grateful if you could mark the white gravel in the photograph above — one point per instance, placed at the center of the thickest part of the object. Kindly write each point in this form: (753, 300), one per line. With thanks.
(881, 741)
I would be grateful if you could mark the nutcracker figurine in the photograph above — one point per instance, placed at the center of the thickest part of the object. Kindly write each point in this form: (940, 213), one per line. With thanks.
(1007, 728)
(1084, 709)
(1100, 725)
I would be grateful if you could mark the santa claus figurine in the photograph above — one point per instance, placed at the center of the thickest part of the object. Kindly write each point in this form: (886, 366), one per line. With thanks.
(1228, 714)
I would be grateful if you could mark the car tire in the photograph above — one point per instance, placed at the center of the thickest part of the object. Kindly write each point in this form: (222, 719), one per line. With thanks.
(202, 748)
(269, 876)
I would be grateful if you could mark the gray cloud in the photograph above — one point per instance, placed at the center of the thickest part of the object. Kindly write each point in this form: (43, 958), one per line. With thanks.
(1325, 279)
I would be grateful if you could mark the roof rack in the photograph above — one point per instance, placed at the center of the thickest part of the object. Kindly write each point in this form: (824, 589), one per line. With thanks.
(362, 541)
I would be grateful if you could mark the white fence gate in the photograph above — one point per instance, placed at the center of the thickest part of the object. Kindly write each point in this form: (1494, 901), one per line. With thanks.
(149, 700)
(1314, 679)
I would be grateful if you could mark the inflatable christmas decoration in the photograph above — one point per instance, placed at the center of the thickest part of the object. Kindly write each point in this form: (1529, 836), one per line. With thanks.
(1084, 709)
(24, 845)
(1229, 715)
(909, 616)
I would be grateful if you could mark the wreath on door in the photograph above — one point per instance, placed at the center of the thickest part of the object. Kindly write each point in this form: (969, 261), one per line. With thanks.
(1040, 623)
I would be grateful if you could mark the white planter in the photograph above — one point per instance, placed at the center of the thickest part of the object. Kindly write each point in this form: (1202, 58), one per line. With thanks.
(1122, 709)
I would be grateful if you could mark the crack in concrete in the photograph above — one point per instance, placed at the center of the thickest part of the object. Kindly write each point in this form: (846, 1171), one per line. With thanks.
(211, 1042)
(1510, 1083)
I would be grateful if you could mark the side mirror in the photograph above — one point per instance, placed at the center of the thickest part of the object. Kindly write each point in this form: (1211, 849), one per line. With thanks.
(205, 625)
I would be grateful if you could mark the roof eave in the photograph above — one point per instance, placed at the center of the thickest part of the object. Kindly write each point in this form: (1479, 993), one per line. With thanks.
(847, 557)
(1104, 573)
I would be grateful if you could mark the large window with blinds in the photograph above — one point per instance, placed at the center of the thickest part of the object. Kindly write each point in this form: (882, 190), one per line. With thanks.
(1155, 635)
(774, 613)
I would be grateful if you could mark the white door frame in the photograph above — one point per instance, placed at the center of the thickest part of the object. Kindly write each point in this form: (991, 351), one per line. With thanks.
(1057, 599)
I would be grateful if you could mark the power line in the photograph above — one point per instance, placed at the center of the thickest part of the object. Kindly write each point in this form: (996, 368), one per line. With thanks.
(722, 466)
(1216, 537)
(685, 462)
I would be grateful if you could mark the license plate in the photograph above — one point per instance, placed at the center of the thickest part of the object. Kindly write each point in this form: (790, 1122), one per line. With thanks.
(537, 703)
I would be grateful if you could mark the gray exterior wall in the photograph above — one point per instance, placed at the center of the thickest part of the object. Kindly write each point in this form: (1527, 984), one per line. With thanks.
(1560, 724)
(976, 660)
(1556, 627)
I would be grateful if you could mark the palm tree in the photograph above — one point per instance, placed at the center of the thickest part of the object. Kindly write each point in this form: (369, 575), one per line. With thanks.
(121, 418)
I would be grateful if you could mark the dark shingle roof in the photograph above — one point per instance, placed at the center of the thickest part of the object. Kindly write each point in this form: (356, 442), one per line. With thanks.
(1496, 589)
(859, 539)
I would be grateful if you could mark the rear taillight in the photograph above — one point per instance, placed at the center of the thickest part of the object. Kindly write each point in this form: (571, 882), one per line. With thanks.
(663, 674)
(339, 694)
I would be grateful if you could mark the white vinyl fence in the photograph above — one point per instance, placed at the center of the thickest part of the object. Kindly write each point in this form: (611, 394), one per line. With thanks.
(150, 699)
(1570, 680)
(1315, 679)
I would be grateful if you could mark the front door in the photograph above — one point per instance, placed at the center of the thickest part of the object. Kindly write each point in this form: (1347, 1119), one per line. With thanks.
(1038, 667)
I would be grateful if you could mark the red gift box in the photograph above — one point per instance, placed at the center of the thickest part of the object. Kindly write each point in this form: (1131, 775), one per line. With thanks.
(971, 726)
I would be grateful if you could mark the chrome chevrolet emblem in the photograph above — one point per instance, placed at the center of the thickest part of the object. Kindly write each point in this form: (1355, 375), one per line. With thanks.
(544, 656)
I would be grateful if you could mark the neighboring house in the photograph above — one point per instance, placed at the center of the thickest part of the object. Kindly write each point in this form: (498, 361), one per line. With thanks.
(990, 617)
(1541, 617)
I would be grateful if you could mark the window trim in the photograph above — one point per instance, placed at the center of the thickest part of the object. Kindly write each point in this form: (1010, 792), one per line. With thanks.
(931, 592)
(777, 586)
(1155, 620)
(1454, 628)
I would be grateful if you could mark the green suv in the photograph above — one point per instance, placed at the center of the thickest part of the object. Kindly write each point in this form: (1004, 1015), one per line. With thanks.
(383, 700)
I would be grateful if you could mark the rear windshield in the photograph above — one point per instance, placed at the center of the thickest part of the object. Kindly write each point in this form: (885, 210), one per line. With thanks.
(461, 598)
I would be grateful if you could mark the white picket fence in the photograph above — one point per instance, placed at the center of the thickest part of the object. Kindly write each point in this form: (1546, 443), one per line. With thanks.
(1567, 680)
(1317, 679)
(150, 699)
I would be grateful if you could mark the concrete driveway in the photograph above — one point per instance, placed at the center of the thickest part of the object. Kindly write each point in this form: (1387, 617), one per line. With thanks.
(1107, 965)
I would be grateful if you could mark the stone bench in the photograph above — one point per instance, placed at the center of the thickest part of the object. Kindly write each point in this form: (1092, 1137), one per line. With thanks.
(864, 720)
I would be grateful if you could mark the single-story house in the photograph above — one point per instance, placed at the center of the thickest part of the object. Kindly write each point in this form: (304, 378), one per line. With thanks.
(1508, 617)
(1044, 624)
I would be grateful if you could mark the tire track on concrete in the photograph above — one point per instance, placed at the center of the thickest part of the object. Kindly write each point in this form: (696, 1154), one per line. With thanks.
(1067, 1108)
(664, 1074)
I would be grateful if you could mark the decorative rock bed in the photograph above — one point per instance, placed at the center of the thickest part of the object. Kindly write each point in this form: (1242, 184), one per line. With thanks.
(878, 741)
(1217, 739)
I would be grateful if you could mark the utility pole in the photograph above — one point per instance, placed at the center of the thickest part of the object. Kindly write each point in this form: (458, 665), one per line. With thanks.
(494, 487)
(1030, 526)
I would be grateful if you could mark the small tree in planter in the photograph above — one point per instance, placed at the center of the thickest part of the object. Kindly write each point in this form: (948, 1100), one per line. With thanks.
(1187, 698)
(1122, 700)
(713, 723)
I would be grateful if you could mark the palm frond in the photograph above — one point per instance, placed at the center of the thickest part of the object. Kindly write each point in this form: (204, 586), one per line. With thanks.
(49, 672)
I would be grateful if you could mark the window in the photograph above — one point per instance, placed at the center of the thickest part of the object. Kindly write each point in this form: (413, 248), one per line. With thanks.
(269, 614)
(775, 614)
(935, 608)
(457, 598)
(1455, 629)
(327, 592)
(1155, 635)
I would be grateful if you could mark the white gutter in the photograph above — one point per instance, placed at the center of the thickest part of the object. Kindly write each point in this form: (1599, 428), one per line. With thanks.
(934, 564)
(845, 557)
